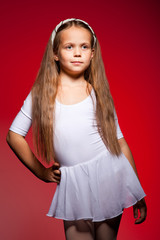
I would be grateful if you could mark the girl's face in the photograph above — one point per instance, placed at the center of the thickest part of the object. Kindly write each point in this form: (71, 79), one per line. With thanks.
(75, 53)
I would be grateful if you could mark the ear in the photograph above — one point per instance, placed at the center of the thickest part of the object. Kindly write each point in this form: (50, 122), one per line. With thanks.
(92, 53)
(56, 57)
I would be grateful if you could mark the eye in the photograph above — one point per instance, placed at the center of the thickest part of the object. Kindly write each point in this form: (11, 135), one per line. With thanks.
(69, 47)
(84, 46)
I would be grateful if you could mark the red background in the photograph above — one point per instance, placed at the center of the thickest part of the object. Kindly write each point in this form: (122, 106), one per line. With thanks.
(128, 32)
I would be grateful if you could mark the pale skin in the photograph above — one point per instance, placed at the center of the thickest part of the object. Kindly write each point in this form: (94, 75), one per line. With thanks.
(75, 46)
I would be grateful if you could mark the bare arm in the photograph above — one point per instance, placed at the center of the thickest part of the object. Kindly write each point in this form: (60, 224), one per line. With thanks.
(140, 205)
(20, 147)
(128, 154)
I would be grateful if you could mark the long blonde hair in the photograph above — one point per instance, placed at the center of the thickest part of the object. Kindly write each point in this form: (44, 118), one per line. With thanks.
(44, 92)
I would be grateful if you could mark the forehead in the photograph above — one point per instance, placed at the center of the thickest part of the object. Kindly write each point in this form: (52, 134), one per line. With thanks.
(75, 34)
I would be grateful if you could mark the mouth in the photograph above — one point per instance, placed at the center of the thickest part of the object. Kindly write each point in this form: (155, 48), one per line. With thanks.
(76, 62)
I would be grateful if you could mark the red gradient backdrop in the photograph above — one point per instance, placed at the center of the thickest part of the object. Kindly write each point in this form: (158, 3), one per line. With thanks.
(128, 32)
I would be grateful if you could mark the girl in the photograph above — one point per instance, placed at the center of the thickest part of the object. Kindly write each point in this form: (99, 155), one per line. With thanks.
(75, 125)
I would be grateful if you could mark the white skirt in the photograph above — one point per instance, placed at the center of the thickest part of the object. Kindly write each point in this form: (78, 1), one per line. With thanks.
(98, 189)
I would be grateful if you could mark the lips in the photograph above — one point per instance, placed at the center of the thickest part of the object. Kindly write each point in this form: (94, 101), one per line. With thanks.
(76, 62)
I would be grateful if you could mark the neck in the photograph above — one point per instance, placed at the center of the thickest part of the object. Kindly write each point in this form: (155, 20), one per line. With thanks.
(76, 80)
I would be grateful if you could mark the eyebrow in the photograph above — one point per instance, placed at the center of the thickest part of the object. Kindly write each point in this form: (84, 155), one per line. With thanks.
(74, 44)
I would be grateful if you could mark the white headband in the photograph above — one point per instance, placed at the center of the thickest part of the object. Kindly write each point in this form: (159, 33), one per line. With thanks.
(67, 20)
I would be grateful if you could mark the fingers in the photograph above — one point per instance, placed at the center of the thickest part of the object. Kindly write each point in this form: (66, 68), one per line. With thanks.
(56, 165)
(135, 212)
(49, 176)
(52, 174)
(141, 205)
(55, 178)
(56, 172)
(57, 175)
(142, 216)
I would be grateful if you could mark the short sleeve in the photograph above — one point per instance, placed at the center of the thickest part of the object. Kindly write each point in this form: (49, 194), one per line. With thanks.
(119, 132)
(23, 121)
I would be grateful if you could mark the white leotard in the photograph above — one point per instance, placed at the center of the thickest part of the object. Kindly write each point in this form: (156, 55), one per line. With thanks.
(90, 176)
(75, 130)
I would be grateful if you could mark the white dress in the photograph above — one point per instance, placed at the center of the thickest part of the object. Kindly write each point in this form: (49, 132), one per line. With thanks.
(94, 183)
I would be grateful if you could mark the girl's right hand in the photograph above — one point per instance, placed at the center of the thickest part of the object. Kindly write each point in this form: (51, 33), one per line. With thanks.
(52, 174)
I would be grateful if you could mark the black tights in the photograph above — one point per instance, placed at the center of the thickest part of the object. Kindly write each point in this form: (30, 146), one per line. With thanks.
(88, 230)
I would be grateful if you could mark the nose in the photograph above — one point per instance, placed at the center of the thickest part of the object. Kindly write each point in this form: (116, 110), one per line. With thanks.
(77, 51)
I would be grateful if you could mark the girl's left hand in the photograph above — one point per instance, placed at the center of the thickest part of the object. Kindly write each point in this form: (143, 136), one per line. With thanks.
(141, 205)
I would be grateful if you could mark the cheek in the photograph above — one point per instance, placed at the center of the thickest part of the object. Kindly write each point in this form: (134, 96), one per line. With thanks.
(65, 57)
(88, 55)
(62, 59)
(88, 58)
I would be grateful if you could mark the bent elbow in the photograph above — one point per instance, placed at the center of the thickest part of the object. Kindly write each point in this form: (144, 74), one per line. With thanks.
(8, 137)
(12, 137)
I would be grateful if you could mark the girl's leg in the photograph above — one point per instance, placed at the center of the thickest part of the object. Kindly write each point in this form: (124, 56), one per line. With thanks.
(79, 229)
(107, 229)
